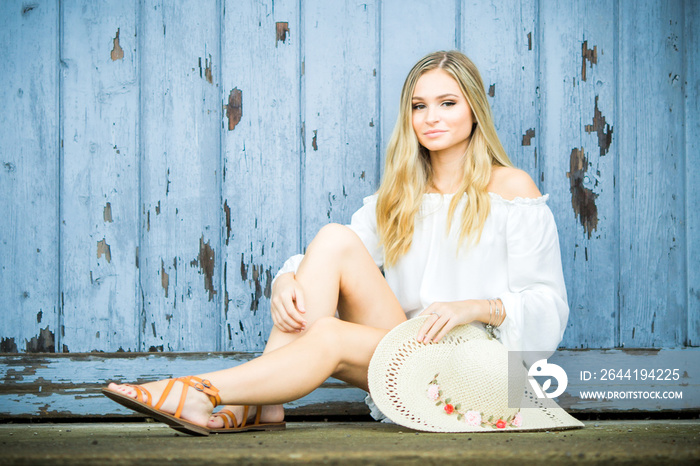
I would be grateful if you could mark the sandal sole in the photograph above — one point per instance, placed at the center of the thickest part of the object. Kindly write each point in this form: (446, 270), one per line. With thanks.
(178, 424)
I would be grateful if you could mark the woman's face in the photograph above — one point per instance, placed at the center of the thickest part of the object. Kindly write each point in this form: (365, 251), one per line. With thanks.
(442, 118)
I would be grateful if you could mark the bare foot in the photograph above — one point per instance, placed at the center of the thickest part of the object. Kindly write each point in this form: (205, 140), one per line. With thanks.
(271, 413)
(197, 408)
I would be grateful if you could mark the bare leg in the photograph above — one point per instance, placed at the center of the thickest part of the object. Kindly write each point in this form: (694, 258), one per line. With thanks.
(336, 273)
(331, 347)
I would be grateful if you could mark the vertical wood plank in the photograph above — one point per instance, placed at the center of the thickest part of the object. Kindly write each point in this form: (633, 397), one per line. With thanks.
(180, 253)
(99, 190)
(261, 121)
(578, 159)
(28, 176)
(340, 133)
(410, 29)
(508, 66)
(652, 146)
(692, 166)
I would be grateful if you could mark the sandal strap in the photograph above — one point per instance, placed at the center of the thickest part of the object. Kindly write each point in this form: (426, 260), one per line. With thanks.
(142, 395)
(198, 384)
(225, 415)
(245, 416)
(258, 411)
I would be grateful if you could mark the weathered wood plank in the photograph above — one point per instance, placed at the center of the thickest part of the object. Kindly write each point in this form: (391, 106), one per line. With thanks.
(578, 160)
(56, 386)
(652, 146)
(68, 385)
(180, 253)
(261, 121)
(692, 166)
(340, 111)
(29, 155)
(99, 186)
(508, 66)
(409, 30)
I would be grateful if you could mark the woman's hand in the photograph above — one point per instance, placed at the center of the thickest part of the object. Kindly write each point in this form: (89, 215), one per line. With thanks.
(287, 304)
(444, 317)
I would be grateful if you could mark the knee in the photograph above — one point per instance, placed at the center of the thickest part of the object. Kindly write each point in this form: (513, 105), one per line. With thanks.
(326, 331)
(336, 238)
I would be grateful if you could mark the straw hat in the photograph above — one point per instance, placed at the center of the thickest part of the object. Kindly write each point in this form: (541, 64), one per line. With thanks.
(459, 384)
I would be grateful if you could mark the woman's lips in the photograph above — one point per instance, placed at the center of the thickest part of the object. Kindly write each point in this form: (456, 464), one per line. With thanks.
(433, 133)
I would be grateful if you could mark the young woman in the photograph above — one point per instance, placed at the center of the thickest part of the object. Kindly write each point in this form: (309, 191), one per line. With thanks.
(462, 236)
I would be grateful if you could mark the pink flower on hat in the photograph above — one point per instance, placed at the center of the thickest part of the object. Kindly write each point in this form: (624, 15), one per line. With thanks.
(433, 392)
(473, 418)
(449, 409)
(501, 424)
(517, 420)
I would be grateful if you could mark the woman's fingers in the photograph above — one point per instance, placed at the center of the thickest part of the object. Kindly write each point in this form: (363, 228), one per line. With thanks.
(290, 309)
(427, 326)
(279, 316)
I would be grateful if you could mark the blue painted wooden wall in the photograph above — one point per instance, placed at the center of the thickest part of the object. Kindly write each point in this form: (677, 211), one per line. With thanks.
(160, 160)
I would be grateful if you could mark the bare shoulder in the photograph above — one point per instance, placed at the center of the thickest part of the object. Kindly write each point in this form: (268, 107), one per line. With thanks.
(509, 183)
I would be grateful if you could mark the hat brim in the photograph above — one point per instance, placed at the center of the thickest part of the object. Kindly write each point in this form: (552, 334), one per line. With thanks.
(400, 361)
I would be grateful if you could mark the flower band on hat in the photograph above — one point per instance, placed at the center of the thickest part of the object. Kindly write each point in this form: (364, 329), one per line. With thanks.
(471, 417)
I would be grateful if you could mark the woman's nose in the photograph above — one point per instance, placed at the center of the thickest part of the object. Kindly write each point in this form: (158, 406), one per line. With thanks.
(433, 114)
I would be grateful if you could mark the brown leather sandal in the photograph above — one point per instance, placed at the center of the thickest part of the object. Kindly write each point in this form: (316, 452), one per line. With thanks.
(231, 424)
(144, 403)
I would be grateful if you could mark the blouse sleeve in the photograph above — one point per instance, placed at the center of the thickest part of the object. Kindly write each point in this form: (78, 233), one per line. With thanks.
(364, 224)
(536, 304)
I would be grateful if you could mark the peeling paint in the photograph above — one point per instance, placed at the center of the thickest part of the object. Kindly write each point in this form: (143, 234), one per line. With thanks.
(158, 208)
(39, 315)
(529, 41)
(107, 213)
(117, 52)
(314, 140)
(588, 54)
(234, 109)
(268, 283)
(27, 8)
(9, 166)
(371, 123)
(42, 343)
(492, 90)
(527, 137)
(207, 261)
(604, 131)
(227, 212)
(136, 259)
(206, 72)
(226, 297)
(282, 29)
(8, 345)
(244, 269)
(103, 249)
(164, 278)
(582, 199)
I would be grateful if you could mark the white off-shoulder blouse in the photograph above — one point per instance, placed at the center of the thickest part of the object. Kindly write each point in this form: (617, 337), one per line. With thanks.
(517, 259)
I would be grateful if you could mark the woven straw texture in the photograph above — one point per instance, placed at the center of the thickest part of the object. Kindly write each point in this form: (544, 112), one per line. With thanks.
(471, 370)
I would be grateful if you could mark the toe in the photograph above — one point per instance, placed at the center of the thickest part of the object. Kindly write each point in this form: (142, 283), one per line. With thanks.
(125, 389)
(215, 422)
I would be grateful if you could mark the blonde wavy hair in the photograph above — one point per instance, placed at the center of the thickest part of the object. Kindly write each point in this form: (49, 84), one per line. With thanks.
(408, 172)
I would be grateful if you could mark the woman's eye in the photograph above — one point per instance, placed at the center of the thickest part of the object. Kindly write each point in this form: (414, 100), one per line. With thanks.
(418, 106)
(449, 103)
